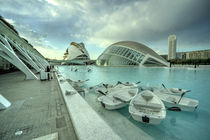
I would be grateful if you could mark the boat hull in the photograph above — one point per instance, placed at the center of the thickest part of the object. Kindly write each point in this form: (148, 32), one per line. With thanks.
(143, 118)
(174, 103)
(179, 106)
(113, 107)
(151, 111)
(118, 98)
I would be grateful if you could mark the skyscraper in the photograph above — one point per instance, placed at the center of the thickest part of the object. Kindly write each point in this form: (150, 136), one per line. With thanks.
(172, 47)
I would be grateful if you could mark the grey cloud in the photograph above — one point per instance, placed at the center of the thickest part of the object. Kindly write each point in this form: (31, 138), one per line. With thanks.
(107, 21)
(155, 20)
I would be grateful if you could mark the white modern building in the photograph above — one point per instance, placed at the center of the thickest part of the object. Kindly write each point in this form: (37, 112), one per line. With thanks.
(172, 47)
(76, 52)
(127, 53)
(19, 52)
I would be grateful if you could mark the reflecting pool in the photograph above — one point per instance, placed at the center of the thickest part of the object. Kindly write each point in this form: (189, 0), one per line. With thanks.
(177, 125)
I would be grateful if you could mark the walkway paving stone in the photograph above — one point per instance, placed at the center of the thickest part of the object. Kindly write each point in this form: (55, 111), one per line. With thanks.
(37, 109)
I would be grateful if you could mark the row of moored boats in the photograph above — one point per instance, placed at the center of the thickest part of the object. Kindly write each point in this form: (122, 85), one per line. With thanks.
(147, 105)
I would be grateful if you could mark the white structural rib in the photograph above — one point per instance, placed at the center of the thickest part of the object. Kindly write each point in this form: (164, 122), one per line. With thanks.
(7, 52)
(4, 103)
(37, 61)
(23, 55)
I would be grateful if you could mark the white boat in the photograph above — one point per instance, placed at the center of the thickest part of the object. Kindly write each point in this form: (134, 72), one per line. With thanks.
(146, 107)
(79, 83)
(176, 91)
(127, 84)
(150, 88)
(107, 88)
(103, 88)
(118, 98)
(178, 103)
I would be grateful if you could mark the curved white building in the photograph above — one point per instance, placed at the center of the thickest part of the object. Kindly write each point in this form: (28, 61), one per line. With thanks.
(126, 53)
(76, 52)
(172, 47)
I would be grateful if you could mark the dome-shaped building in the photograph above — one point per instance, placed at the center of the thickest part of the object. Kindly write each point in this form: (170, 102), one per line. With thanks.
(126, 53)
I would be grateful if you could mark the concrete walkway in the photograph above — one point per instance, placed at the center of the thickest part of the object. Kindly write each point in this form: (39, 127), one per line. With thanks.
(37, 109)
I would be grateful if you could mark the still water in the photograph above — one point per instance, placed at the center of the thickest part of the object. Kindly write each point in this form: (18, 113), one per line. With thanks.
(177, 125)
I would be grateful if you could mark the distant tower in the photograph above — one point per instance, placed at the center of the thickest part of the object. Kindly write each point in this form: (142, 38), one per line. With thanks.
(172, 47)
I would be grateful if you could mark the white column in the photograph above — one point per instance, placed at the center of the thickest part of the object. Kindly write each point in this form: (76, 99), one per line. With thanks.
(144, 60)
(158, 60)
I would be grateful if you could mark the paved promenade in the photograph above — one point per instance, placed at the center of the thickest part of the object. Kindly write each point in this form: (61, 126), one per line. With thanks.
(37, 109)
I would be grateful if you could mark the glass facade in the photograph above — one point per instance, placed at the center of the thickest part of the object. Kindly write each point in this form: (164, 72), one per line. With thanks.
(152, 62)
(133, 56)
(117, 55)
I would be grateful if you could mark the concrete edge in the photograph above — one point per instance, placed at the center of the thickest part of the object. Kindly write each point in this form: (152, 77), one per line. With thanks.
(53, 136)
(86, 122)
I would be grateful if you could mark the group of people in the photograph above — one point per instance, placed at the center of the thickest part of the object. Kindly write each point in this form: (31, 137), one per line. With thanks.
(48, 70)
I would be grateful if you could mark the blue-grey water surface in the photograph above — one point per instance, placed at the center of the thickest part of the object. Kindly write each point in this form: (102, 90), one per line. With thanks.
(177, 125)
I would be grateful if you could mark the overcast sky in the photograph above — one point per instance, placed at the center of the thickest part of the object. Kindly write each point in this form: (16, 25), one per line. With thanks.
(51, 25)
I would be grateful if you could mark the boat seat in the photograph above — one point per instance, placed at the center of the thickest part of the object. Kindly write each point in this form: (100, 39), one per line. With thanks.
(192, 103)
(121, 98)
(153, 106)
(172, 99)
(132, 92)
(147, 95)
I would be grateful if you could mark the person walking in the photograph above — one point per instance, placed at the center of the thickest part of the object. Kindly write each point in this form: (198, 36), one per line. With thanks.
(48, 72)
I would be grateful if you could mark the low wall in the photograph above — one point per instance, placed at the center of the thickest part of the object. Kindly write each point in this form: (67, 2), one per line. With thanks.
(87, 123)
(191, 66)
